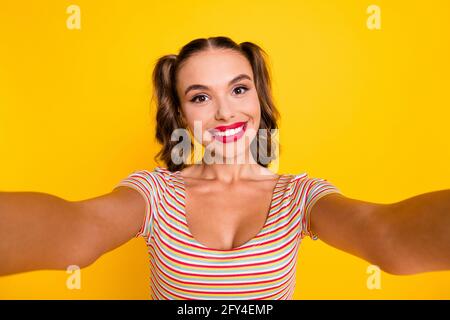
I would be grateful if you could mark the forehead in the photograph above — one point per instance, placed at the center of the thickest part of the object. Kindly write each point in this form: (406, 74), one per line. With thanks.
(212, 68)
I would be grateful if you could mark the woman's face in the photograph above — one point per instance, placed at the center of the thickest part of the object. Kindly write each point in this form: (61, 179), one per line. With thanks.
(216, 90)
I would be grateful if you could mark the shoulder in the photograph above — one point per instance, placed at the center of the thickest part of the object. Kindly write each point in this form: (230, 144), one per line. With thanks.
(148, 181)
(302, 180)
(157, 172)
(308, 189)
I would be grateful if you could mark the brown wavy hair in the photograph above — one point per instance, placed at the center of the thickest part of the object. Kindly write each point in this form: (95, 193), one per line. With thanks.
(169, 115)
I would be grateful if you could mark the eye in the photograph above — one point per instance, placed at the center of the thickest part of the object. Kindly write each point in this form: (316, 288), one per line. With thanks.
(194, 99)
(241, 87)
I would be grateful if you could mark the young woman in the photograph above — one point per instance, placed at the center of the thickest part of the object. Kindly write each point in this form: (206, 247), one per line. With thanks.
(224, 227)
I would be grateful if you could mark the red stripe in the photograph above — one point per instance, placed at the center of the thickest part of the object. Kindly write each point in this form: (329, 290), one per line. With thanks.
(221, 284)
(274, 294)
(215, 250)
(227, 292)
(228, 266)
(187, 253)
(216, 275)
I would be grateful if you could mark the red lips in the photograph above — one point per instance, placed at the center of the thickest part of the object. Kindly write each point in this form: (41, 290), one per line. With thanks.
(231, 126)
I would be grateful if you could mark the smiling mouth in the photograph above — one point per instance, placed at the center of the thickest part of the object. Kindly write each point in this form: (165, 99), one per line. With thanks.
(230, 135)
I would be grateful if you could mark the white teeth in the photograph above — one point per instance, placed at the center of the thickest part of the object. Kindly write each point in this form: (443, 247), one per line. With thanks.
(229, 132)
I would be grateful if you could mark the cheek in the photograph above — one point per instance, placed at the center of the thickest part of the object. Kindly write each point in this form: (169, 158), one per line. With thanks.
(195, 118)
(254, 106)
(197, 126)
(254, 111)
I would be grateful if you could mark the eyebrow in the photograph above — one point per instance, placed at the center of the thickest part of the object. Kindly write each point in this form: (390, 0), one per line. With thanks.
(202, 87)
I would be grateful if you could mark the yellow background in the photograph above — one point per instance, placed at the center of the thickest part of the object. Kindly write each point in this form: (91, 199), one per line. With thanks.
(366, 109)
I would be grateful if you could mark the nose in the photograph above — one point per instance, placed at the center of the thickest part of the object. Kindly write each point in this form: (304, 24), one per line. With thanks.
(224, 111)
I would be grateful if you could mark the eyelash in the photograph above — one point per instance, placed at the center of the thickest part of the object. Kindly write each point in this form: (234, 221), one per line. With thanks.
(201, 95)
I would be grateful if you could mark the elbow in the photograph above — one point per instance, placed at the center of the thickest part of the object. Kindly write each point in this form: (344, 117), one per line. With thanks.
(408, 267)
(397, 260)
(395, 263)
(390, 266)
(59, 263)
(80, 262)
(82, 258)
(398, 270)
(65, 262)
(81, 253)
(82, 246)
(405, 269)
(387, 250)
(88, 260)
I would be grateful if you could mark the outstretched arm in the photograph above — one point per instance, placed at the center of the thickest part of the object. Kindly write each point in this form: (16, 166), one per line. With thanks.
(42, 231)
(406, 237)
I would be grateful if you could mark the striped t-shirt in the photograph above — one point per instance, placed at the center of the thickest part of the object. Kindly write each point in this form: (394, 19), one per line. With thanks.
(262, 268)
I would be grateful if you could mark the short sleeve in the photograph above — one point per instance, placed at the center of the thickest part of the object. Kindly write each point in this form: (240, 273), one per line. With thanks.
(308, 191)
(151, 186)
